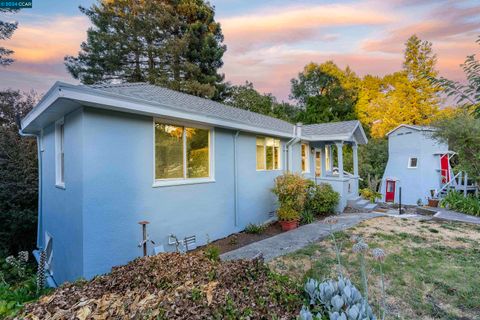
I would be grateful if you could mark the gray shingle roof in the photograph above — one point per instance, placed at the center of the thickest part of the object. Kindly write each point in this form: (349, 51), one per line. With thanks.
(189, 103)
(328, 129)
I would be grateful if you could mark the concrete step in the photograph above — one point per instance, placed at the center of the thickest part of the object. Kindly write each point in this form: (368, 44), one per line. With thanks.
(353, 202)
(371, 206)
(362, 203)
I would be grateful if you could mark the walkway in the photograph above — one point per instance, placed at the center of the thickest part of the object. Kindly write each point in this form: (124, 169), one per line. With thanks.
(291, 241)
(445, 214)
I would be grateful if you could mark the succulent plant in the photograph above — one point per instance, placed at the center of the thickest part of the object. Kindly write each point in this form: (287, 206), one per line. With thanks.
(340, 300)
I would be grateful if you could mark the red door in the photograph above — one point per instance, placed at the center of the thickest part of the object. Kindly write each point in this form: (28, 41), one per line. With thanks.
(444, 169)
(390, 191)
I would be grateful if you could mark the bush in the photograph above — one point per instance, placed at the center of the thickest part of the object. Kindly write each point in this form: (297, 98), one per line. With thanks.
(307, 217)
(287, 214)
(290, 190)
(369, 194)
(456, 201)
(255, 228)
(322, 199)
(212, 252)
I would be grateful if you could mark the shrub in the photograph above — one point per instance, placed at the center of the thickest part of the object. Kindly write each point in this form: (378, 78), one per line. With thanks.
(369, 194)
(456, 201)
(290, 190)
(212, 252)
(287, 214)
(322, 199)
(306, 217)
(255, 228)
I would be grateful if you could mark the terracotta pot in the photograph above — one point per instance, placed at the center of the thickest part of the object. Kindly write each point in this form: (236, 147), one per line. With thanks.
(289, 225)
(433, 203)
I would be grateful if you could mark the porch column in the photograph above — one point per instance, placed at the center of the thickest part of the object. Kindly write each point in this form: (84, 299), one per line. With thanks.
(340, 158)
(355, 159)
(323, 159)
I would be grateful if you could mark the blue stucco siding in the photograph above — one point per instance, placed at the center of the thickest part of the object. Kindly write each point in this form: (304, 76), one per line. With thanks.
(118, 192)
(416, 183)
(62, 208)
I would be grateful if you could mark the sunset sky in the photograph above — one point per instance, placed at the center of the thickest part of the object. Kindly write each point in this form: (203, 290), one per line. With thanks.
(268, 41)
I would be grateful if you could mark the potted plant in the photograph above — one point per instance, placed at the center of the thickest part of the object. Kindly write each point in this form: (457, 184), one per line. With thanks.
(433, 201)
(291, 191)
(288, 218)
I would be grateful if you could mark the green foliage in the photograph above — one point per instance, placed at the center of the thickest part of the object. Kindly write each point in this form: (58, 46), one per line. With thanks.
(177, 44)
(306, 217)
(325, 92)
(322, 199)
(6, 31)
(255, 228)
(467, 94)
(18, 176)
(372, 160)
(286, 213)
(370, 194)
(212, 252)
(246, 97)
(462, 133)
(290, 190)
(457, 202)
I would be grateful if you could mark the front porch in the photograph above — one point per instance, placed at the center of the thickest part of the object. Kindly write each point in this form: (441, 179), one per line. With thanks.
(328, 144)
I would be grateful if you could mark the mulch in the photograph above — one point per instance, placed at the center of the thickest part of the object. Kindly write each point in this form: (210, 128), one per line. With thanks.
(174, 286)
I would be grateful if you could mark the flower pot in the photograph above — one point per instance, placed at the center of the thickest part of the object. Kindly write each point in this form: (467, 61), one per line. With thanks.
(433, 203)
(289, 225)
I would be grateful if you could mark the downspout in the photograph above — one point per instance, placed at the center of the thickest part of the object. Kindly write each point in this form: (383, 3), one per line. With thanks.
(40, 174)
(297, 130)
(235, 179)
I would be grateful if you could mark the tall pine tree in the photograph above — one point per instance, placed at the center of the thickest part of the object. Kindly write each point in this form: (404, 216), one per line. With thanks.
(173, 43)
(6, 31)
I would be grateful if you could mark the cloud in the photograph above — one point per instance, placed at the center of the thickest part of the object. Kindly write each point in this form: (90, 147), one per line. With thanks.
(48, 40)
(296, 24)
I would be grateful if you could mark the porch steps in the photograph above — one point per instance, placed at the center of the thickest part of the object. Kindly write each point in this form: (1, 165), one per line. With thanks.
(361, 204)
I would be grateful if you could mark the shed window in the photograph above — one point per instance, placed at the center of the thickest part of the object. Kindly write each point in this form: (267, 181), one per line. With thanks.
(60, 153)
(268, 153)
(305, 158)
(181, 152)
(412, 162)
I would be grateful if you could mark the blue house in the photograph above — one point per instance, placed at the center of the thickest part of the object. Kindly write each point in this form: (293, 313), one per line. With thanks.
(419, 164)
(113, 155)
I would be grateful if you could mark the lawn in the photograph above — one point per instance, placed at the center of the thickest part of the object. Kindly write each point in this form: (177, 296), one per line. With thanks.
(432, 269)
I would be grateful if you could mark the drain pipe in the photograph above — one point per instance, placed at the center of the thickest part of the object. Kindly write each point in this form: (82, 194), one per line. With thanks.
(40, 174)
(235, 179)
(297, 131)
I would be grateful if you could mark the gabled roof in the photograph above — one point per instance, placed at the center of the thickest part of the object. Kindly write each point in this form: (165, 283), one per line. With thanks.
(413, 127)
(147, 99)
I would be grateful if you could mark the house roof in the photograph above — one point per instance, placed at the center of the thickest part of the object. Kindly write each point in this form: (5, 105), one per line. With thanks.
(413, 127)
(152, 100)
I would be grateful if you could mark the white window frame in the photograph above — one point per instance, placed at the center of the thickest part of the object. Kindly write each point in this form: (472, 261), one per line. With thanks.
(265, 153)
(410, 162)
(307, 157)
(59, 153)
(184, 180)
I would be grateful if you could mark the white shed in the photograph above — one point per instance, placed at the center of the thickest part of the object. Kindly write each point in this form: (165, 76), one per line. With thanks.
(417, 163)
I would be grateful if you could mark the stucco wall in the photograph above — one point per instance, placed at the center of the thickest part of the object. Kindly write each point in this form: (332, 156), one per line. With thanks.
(118, 176)
(62, 208)
(416, 183)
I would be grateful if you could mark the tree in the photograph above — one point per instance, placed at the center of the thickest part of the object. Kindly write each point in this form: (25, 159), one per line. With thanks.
(466, 94)
(18, 176)
(173, 43)
(403, 97)
(462, 133)
(6, 31)
(325, 92)
(246, 97)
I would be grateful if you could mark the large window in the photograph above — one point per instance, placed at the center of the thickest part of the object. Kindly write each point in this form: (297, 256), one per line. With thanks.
(181, 152)
(59, 153)
(305, 158)
(268, 154)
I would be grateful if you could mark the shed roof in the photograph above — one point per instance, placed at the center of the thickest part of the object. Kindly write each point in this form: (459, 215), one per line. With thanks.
(412, 126)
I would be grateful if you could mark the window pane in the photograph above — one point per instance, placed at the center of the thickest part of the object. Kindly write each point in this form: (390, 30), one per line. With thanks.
(260, 153)
(276, 155)
(269, 153)
(413, 162)
(197, 153)
(168, 151)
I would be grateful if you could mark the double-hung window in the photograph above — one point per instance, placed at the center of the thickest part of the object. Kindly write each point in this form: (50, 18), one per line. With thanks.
(305, 158)
(59, 153)
(183, 154)
(268, 154)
